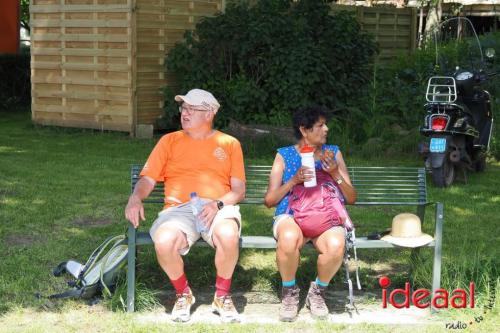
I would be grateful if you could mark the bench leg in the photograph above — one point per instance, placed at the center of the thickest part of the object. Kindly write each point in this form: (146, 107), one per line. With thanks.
(415, 253)
(438, 238)
(131, 269)
(421, 213)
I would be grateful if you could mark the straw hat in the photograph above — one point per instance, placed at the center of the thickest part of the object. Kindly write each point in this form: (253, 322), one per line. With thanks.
(407, 231)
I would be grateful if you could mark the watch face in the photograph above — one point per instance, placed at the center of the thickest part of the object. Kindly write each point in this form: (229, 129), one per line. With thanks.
(220, 204)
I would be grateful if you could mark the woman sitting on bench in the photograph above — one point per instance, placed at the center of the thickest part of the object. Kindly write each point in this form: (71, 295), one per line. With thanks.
(287, 171)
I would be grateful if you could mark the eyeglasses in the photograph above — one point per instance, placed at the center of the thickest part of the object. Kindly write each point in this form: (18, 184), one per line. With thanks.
(190, 109)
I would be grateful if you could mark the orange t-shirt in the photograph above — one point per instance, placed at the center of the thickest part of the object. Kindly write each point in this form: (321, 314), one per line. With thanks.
(188, 165)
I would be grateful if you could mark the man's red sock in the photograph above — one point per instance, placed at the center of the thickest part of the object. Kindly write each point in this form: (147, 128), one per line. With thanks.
(181, 285)
(222, 286)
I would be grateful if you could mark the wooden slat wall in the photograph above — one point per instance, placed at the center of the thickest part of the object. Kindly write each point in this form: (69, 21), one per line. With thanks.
(81, 63)
(393, 28)
(100, 63)
(479, 10)
(161, 24)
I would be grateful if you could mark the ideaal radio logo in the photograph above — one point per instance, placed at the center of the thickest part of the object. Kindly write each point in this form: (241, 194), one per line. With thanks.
(440, 299)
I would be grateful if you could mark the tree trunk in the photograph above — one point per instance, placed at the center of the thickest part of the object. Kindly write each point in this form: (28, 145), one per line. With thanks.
(421, 27)
(433, 15)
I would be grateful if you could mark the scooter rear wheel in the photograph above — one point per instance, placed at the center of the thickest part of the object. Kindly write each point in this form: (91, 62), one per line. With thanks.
(445, 174)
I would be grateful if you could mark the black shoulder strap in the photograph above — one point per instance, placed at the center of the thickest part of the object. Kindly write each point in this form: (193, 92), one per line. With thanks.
(67, 294)
(59, 269)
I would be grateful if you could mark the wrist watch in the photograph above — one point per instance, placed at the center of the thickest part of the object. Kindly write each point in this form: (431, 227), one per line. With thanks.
(339, 180)
(220, 204)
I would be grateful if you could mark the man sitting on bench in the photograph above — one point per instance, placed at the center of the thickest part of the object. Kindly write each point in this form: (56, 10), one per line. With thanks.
(206, 161)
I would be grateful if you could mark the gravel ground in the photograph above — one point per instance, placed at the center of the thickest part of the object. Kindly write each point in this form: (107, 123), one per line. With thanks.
(262, 307)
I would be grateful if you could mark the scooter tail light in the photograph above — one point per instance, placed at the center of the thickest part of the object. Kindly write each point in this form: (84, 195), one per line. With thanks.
(439, 123)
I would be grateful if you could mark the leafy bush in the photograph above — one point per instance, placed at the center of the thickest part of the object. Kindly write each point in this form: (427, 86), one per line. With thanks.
(15, 86)
(492, 40)
(265, 60)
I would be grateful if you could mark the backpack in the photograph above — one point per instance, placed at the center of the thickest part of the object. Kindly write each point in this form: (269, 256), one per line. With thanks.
(319, 208)
(100, 272)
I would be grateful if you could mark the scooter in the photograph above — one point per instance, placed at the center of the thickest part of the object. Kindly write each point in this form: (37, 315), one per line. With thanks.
(458, 119)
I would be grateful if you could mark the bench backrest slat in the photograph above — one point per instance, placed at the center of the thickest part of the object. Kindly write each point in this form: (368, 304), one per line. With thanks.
(374, 185)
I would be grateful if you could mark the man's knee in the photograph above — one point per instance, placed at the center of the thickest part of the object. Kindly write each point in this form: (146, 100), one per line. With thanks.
(226, 234)
(168, 241)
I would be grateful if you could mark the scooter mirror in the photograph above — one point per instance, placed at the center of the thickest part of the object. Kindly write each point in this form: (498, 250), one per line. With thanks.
(489, 52)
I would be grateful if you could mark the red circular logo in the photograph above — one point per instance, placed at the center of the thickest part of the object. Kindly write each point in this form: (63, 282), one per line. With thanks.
(384, 282)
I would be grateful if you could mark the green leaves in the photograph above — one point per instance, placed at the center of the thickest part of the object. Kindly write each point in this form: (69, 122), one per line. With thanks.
(24, 6)
(264, 61)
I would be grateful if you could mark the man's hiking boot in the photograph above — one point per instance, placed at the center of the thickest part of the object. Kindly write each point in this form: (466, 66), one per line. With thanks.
(182, 307)
(289, 303)
(315, 301)
(224, 307)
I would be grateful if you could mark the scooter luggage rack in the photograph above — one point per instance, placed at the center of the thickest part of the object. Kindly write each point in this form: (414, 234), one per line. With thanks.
(441, 89)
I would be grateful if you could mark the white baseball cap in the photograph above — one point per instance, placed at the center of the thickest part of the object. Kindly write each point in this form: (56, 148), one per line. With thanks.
(199, 97)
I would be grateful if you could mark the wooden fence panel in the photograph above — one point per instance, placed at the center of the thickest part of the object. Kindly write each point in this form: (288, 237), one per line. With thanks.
(100, 63)
(81, 63)
(395, 29)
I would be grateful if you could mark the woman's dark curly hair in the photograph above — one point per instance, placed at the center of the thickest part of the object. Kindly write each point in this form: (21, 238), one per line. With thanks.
(307, 117)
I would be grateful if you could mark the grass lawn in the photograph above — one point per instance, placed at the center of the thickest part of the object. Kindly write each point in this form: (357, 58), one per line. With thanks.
(62, 191)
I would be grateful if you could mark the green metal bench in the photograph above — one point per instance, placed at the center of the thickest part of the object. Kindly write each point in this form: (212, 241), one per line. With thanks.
(374, 185)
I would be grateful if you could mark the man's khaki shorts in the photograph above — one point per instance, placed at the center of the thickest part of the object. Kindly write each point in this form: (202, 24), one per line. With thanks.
(181, 217)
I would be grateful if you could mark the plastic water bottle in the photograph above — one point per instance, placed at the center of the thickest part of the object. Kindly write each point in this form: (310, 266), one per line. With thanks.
(307, 158)
(197, 207)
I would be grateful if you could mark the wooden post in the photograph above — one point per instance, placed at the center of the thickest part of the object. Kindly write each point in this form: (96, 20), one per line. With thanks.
(133, 64)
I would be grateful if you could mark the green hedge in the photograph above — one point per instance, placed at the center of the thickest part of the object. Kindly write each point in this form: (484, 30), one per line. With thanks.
(492, 40)
(265, 60)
